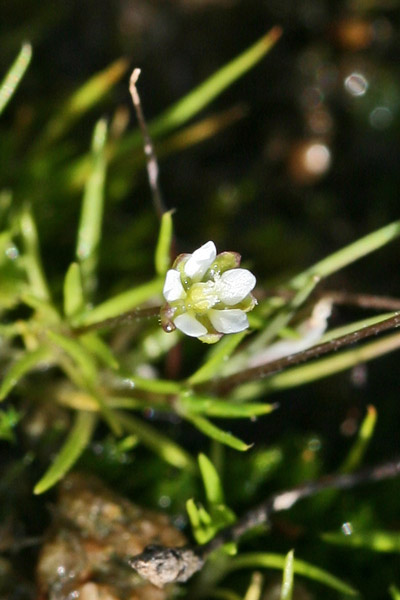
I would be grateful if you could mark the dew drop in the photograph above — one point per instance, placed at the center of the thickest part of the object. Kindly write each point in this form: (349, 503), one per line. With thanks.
(356, 84)
(347, 528)
(164, 501)
(128, 383)
(12, 252)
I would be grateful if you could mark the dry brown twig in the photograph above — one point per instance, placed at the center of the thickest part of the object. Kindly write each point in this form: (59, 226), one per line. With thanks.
(161, 565)
(151, 158)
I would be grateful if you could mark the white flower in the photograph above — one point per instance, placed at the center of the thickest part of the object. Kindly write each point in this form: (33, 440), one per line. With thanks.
(207, 295)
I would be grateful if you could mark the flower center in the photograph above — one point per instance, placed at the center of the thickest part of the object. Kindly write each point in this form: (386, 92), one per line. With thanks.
(201, 297)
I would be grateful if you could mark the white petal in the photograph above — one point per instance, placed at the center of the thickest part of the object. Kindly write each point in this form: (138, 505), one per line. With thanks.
(189, 325)
(232, 320)
(235, 285)
(173, 288)
(200, 261)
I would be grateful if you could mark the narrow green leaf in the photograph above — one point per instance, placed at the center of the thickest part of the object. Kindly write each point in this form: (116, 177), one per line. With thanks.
(27, 362)
(364, 436)
(46, 309)
(76, 442)
(157, 442)
(9, 418)
(186, 108)
(288, 333)
(213, 407)
(211, 481)
(14, 75)
(319, 369)
(128, 443)
(349, 254)
(163, 249)
(86, 364)
(254, 590)
(157, 386)
(277, 561)
(107, 413)
(132, 403)
(355, 326)
(201, 522)
(218, 356)
(75, 350)
(121, 303)
(206, 524)
(82, 100)
(283, 316)
(12, 273)
(334, 364)
(196, 100)
(287, 579)
(205, 516)
(193, 513)
(11, 330)
(394, 592)
(377, 540)
(74, 301)
(31, 258)
(99, 348)
(89, 230)
(277, 322)
(74, 175)
(216, 433)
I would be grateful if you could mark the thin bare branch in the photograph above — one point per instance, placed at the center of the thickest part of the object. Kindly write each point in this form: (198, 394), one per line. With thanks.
(136, 314)
(286, 499)
(225, 384)
(162, 565)
(151, 158)
(369, 301)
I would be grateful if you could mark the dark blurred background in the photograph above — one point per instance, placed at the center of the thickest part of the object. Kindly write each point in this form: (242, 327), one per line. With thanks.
(314, 161)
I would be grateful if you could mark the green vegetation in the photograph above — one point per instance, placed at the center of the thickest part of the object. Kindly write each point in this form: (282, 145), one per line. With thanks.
(79, 375)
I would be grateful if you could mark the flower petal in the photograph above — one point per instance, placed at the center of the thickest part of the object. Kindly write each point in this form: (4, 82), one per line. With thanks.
(200, 261)
(235, 285)
(173, 288)
(189, 325)
(232, 320)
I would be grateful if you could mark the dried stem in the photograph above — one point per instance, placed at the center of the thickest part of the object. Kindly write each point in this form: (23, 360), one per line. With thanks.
(368, 301)
(151, 158)
(127, 317)
(363, 300)
(286, 499)
(162, 565)
(225, 384)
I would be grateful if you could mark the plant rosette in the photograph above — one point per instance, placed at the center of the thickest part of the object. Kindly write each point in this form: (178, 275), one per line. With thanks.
(207, 295)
